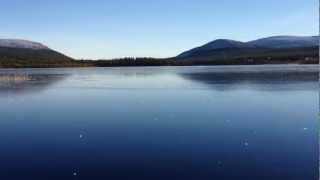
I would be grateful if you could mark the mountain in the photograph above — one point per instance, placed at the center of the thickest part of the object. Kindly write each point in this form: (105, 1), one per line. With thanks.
(223, 43)
(18, 43)
(286, 42)
(226, 49)
(215, 45)
(23, 53)
(15, 53)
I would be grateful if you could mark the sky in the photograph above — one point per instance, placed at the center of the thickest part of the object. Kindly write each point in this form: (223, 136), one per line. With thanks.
(104, 29)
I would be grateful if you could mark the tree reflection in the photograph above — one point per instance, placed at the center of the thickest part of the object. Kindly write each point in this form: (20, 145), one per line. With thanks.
(27, 83)
(285, 80)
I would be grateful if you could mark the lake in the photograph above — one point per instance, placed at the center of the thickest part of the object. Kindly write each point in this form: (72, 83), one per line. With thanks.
(160, 123)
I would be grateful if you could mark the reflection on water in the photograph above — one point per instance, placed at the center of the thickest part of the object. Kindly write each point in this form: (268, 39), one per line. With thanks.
(272, 78)
(27, 83)
(273, 81)
(197, 123)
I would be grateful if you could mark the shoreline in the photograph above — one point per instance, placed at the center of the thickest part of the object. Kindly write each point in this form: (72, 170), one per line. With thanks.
(315, 66)
(92, 65)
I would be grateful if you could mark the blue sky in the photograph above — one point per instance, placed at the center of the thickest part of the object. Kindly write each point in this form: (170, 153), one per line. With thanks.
(158, 28)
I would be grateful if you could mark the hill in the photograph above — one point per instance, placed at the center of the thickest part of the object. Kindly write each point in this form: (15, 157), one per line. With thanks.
(277, 49)
(272, 50)
(21, 53)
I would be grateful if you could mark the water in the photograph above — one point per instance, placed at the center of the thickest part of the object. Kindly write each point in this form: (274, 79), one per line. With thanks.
(199, 123)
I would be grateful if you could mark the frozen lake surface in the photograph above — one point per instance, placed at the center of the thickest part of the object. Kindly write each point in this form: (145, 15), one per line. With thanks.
(199, 123)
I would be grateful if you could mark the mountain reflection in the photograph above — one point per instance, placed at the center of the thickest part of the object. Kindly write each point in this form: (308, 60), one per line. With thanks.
(27, 83)
(271, 81)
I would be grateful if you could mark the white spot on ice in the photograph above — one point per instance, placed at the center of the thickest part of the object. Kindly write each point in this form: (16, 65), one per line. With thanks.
(246, 144)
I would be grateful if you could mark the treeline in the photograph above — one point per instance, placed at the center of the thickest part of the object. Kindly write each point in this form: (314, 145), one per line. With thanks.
(130, 61)
(308, 55)
(201, 61)
(21, 58)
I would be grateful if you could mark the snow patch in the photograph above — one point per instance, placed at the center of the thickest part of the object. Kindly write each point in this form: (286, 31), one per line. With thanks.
(17, 43)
